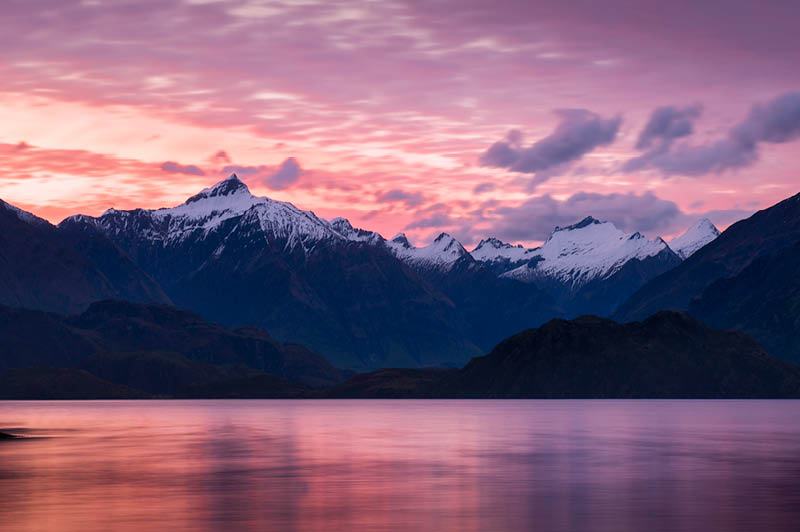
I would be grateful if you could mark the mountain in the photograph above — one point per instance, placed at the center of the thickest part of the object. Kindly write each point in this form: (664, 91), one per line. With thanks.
(154, 348)
(669, 355)
(239, 259)
(697, 236)
(441, 255)
(47, 268)
(588, 267)
(763, 300)
(491, 308)
(500, 257)
(766, 232)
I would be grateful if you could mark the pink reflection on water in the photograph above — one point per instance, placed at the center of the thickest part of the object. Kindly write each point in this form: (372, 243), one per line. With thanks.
(401, 465)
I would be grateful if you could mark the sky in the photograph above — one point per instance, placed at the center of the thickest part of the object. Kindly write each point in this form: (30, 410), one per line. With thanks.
(476, 118)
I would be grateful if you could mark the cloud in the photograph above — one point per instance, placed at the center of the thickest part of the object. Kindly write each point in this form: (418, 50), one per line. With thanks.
(579, 132)
(482, 188)
(439, 219)
(775, 122)
(535, 218)
(666, 124)
(411, 199)
(221, 157)
(287, 173)
(275, 178)
(173, 167)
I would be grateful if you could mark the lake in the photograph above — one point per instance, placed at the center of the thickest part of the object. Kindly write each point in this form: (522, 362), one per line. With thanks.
(401, 465)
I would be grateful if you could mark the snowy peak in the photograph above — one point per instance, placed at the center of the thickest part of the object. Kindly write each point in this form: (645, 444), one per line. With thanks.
(210, 210)
(590, 249)
(448, 245)
(493, 243)
(228, 187)
(493, 250)
(401, 239)
(580, 225)
(440, 255)
(346, 229)
(698, 235)
(342, 225)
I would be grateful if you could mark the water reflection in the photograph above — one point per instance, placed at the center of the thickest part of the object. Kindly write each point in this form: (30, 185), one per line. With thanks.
(401, 465)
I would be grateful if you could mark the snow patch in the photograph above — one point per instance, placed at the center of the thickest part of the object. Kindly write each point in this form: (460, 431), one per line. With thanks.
(698, 235)
(588, 250)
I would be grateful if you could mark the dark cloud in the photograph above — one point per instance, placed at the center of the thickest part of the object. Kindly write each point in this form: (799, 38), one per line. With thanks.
(221, 157)
(171, 166)
(482, 188)
(776, 121)
(287, 173)
(536, 218)
(411, 199)
(579, 132)
(439, 219)
(247, 171)
(666, 124)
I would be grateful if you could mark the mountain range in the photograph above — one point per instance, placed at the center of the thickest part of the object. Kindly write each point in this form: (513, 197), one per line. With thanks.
(365, 302)
(361, 300)
(277, 299)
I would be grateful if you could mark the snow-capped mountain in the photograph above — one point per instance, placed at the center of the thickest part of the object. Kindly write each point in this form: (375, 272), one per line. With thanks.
(697, 236)
(238, 259)
(441, 255)
(208, 212)
(588, 268)
(501, 257)
(578, 254)
(344, 228)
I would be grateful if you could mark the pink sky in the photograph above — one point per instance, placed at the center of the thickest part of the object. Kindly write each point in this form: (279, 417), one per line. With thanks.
(390, 107)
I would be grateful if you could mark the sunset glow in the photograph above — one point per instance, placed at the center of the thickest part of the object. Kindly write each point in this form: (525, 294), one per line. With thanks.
(389, 107)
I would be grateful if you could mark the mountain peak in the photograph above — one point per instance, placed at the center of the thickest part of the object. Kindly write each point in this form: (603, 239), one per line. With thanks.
(342, 224)
(229, 186)
(588, 250)
(589, 220)
(401, 239)
(698, 235)
(495, 243)
(494, 250)
(441, 254)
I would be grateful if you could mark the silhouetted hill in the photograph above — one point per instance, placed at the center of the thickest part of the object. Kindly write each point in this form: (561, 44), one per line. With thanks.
(155, 348)
(669, 355)
(255, 387)
(60, 383)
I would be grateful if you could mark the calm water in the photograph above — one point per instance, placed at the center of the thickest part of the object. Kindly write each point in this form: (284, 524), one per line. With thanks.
(401, 465)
